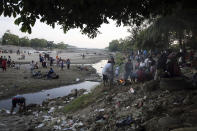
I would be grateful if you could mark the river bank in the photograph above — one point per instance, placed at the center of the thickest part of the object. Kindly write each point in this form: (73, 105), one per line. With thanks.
(21, 81)
(15, 81)
(147, 108)
(74, 54)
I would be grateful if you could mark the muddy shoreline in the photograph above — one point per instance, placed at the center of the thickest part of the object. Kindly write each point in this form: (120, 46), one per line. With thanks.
(15, 82)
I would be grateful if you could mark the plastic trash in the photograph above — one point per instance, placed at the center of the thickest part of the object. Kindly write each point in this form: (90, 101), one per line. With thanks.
(40, 125)
(117, 105)
(60, 107)
(70, 122)
(77, 125)
(7, 111)
(63, 123)
(99, 118)
(51, 110)
(77, 79)
(67, 129)
(145, 97)
(35, 114)
(71, 98)
(85, 93)
(131, 90)
(46, 118)
(127, 107)
(101, 110)
(124, 122)
(57, 127)
(58, 121)
(101, 121)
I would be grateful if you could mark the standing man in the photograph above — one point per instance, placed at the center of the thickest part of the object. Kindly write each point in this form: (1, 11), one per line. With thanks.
(107, 73)
(51, 61)
(4, 64)
(112, 72)
(128, 69)
(68, 63)
(62, 64)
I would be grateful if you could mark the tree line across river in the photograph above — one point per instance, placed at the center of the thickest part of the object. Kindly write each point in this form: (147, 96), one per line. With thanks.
(12, 39)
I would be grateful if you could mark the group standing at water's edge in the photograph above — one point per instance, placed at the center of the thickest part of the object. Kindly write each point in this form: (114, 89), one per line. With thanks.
(143, 66)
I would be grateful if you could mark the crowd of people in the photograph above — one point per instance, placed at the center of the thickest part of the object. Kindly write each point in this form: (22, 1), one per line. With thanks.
(6, 62)
(44, 59)
(141, 66)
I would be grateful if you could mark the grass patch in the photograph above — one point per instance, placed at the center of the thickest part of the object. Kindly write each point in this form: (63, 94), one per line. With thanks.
(84, 100)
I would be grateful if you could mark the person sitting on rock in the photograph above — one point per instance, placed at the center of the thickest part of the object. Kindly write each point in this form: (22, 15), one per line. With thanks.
(51, 71)
(37, 74)
(20, 100)
(44, 64)
(36, 65)
(12, 64)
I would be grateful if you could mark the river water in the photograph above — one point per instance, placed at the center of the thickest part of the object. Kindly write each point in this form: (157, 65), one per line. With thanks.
(39, 97)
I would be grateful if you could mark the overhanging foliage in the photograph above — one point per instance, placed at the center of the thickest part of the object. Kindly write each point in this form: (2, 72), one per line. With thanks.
(88, 15)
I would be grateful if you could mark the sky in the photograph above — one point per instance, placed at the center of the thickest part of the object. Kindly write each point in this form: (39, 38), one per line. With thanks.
(73, 37)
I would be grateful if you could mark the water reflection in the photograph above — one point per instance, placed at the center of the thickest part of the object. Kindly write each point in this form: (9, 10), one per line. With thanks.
(39, 97)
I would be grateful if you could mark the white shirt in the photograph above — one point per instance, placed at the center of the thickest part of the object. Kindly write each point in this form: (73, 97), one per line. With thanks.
(107, 69)
(142, 64)
(117, 71)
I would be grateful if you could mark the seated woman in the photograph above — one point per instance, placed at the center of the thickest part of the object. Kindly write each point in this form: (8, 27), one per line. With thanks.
(51, 71)
(37, 74)
(12, 64)
(36, 65)
(44, 64)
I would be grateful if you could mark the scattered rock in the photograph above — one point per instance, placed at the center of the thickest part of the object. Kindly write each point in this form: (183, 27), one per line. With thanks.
(186, 129)
(168, 122)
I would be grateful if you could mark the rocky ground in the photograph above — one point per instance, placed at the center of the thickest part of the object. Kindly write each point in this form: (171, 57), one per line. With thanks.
(133, 107)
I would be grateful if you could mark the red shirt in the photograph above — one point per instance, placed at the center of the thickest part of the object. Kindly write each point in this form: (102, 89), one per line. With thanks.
(4, 63)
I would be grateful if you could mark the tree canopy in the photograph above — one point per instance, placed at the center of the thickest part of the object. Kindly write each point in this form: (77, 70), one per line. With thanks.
(88, 15)
(180, 26)
(163, 32)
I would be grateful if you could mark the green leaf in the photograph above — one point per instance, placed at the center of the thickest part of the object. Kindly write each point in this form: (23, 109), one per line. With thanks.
(29, 30)
(14, 14)
(32, 23)
(23, 28)
(17, 21)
